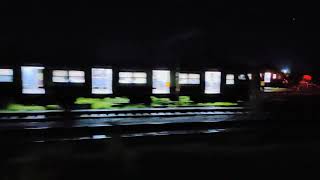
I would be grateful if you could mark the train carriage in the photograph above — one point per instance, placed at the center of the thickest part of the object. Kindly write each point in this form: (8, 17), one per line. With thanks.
(42, 84)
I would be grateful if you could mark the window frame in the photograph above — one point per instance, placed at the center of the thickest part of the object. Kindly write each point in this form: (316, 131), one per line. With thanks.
(105, 90)
(9, 75)
(40, 87)
(168, 89)
(188, 78)
(206, 89)
(230, 79)
(68, 76)
(267, 77)
(133, 77)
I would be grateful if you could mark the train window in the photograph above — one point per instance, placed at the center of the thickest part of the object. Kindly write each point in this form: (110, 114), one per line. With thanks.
(274, 76)
(32, 80)
(60, 76)
(6, 75)
(230, 79)
(161, 82)
(76, 77)
(212, 82)
(249, 76)
(189, 78)
(68, 76)
(267, 77)
(101, 81)
(132, 77)
(242, 77)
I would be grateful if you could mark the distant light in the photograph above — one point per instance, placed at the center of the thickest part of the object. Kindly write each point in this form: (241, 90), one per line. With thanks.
(285, 70)
(307, 77)
(267, 77)
(274, 76)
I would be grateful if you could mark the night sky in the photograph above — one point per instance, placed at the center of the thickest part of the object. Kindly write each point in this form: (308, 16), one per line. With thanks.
(211, 33)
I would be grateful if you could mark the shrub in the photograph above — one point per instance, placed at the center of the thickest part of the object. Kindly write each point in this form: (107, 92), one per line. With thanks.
(160, 101)
(184, 101)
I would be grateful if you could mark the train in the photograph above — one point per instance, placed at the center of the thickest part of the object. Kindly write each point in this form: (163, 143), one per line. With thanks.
(39, 84)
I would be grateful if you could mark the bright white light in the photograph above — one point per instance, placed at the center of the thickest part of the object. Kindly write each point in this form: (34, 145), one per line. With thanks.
(76, 73)
(274, 76)
(6, 75)
(132, 77)
(285, 70)
(242, 77)
(267, 77)
(161, 82)
(189, 78)
(68, 76)
(60, 76)
(32, 80)
(212, 82)
(101, 81)
(76, 77)
(230, 79)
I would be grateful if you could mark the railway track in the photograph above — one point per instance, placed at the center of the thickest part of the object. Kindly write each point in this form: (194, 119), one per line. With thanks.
(121, 113)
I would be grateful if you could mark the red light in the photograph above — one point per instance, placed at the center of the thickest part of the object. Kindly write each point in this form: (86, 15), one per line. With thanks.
(307, 77)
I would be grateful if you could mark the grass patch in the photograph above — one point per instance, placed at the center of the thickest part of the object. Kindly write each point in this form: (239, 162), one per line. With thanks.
(21, 107)
(184, 101)
(123, 102)
(117, 100)
(82, 100)
(160, 101)
(102, 103)
(219, 104)
(135, 106)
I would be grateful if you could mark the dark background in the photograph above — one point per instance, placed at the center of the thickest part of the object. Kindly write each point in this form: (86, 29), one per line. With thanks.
(86, 33)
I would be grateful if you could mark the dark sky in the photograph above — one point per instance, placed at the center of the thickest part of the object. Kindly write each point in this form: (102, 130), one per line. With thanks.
(212, 33)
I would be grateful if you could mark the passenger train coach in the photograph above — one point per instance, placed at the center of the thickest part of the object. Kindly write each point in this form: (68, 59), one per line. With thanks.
(39, 84)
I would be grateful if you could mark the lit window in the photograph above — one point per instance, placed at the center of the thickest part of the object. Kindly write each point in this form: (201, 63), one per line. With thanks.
(189, 78)
(132, 77)
(161, 82)
(274, 76)
(68, 76)
(212, 82)
(250, 76)
(6, 75)
(32, 80)
(76, 77)
(101, 81)
(242, 77)
(267, 77)
(60, 76)
(230, 79)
